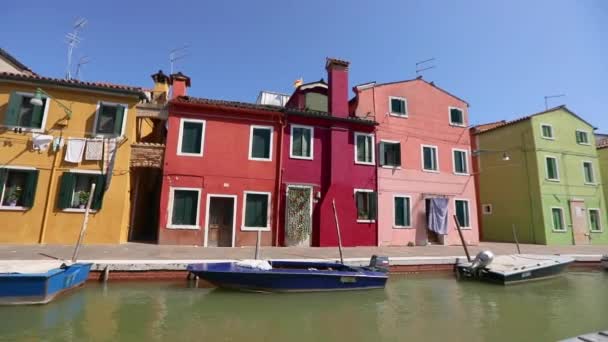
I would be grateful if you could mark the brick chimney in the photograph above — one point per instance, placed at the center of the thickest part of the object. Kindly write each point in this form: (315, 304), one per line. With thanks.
(337, 75)
(179, 84)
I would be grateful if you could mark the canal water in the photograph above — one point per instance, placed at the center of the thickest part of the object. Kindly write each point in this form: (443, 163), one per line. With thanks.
(411, 308)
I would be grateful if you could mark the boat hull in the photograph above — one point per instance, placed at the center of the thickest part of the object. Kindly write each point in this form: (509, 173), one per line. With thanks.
(230, 276)
(41, 288)
(604, 262)
(463, 272)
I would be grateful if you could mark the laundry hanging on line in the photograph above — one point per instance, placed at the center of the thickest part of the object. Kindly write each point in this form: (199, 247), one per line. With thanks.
(94, 149)
(41, 142)
(75, 150)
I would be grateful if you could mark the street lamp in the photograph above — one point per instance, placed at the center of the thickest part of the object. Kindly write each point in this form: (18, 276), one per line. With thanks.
(505, 154)
(38, 102)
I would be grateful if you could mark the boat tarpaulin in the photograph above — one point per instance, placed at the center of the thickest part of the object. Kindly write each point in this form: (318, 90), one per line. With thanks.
(438, 215)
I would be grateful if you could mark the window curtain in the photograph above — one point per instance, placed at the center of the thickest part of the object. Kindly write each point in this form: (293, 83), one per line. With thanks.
(438, 215)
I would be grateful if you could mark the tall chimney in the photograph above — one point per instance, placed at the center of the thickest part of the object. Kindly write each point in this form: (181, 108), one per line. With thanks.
(337, 75)
(161, 86)
(179, 84)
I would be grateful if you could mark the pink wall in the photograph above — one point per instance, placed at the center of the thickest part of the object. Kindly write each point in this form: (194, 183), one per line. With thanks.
(223, 169)
(427, 123)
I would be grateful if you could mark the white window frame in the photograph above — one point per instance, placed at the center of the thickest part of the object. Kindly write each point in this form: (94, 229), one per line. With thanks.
(587, 133)
(409, 197)
(372, 146)
(181, 135)
(268, 211)
(390, 106)
(599, 217)
(124, 119)
(594, 181)
(234, 208)
(436, 158)
(84, 172)
(390, 142)
(312, 140)
(44, 113)
(170, 224)
(487, 206)
(3, 188)
(556, 169)
(561, 212)
(542, 134)
(271, 129)
(463, 124)
(466, 161)
(469, 227)
(356, 213)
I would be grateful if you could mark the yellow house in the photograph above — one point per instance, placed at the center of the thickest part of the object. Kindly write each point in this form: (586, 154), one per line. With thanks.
(57, 137)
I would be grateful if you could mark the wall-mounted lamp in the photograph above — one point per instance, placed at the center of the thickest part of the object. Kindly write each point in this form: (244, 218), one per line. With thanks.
(37, 101)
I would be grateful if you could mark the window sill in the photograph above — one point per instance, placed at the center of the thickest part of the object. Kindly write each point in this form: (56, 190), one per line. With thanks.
(453, 124)
(591, 184)
(366, 221)
(108, 135)
(260, 159)
(584, 144)
(172, 226)
(302, 158)
(548, 138)
(77, 210)
(391, 167)
(26, 129)
(461, 174)
(15, 208)
(182, 154)
(596, 231)
(403, 227)
(430, 171)
(398, 115)
(465, 228)
(559, 231)
(255, 229)
(365, 163)
(552, 180)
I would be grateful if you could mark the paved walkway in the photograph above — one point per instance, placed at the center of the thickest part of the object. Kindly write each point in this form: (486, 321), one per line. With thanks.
(149, 252)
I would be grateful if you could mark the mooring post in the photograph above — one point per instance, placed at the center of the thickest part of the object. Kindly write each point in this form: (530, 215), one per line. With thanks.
(106, 274)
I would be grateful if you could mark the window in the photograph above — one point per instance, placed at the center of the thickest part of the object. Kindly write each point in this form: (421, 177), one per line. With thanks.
(557, 214)
(21, 113)
(256, 210)
(429, 158)
(17, 188)
(588, 172)
(366, 205)
(462, 213)
(456, 116)
(302, 142)
(546, 131)
(582, 137)
(390, 153)
(364, 148)
(552, 168)
(260, 143)
(184, 206)
(191, 137)
(461, 166)
(486, 209)
(594, 220)
(75, 190)
(403, 212)
(110, 119)
(398, 106)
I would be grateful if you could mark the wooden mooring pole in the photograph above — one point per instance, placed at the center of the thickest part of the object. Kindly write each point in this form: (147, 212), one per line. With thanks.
(83, 229)
(464, 244)
(515, 237)
(338, 229)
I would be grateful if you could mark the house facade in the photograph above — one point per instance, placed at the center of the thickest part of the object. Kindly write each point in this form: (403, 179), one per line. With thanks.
(328, 157)
(219, 181)
(423, 158)
(602, 154)
(58, 137)
(540, 177)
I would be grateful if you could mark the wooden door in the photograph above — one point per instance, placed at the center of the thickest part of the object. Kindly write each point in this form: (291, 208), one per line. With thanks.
(578, 213)
(298, 216)
(221, 222)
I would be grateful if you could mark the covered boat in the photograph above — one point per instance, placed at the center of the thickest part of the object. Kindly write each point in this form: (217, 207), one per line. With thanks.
(39, 282)
(512, 269)
(293, 276)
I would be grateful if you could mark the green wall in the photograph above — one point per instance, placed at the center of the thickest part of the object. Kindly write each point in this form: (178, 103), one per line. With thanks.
(602, 154)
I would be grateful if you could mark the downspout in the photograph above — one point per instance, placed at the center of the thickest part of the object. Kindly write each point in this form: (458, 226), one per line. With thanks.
(376, 167)
(279, 181)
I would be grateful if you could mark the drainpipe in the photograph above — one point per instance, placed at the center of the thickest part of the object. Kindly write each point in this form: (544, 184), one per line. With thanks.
(279, 180)
(49, 191)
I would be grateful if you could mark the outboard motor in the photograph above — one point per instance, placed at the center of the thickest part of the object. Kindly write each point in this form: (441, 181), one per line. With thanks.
(483, 259)
(379, 263)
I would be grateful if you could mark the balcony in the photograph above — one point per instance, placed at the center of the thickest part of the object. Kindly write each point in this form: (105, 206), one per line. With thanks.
(147, 155)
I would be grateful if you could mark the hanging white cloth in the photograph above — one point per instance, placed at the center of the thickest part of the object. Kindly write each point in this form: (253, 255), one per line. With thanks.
(58, 144)
(94, 149)
(41, 142)
(109, 155)
(75, 149)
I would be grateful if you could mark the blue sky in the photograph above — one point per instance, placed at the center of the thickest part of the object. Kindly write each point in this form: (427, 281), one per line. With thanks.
(503, 57)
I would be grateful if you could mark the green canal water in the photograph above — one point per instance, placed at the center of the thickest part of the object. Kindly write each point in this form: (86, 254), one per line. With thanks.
(411, 308)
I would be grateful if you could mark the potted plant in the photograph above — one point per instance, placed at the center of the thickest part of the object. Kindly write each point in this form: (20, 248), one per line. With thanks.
(83, 198)
(14, 196)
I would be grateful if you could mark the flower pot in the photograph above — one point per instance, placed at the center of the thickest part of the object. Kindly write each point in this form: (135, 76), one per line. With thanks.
(12, 203)
(81, 206)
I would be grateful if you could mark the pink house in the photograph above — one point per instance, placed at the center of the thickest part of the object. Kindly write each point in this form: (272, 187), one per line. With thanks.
(424, 159)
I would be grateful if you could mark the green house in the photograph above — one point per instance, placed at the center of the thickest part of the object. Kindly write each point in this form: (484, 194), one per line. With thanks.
(539, 176)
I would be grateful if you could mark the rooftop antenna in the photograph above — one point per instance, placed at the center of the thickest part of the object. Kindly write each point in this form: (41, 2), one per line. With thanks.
(423, 65)
(73, 39)
(551, 97)
(177, 54)
(82, 61)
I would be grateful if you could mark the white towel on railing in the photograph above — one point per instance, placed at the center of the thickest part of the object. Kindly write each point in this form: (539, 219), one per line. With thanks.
(75, 149)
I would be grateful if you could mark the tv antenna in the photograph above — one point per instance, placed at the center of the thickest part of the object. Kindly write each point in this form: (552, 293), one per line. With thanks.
(424, 65)
(73, 39)
(551, 97)
(82, 61)
(177, 54)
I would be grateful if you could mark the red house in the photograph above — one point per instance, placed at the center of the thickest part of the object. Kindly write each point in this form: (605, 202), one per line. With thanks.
(219, 177)
(327, 155)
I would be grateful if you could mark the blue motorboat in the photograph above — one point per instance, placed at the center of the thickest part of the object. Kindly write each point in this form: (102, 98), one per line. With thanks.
(293, 276)
(39, 282)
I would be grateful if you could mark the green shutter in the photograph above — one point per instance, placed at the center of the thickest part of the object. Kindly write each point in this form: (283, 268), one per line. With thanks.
(100, 183)
(120, 113)
(373, 205)
(12, 113)
(260, 144)
(297, 143)
(192, 135)
(382, 153)
(68, 180)
(399, 211)
(408, 219)
(256, 210)
(427, 156)
(29, 191)
(185, 205)
(306, 142)
(37, 114)
(360, 148)
(3, 175)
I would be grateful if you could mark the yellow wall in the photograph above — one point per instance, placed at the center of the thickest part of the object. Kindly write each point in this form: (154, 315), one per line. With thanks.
(110, 223)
